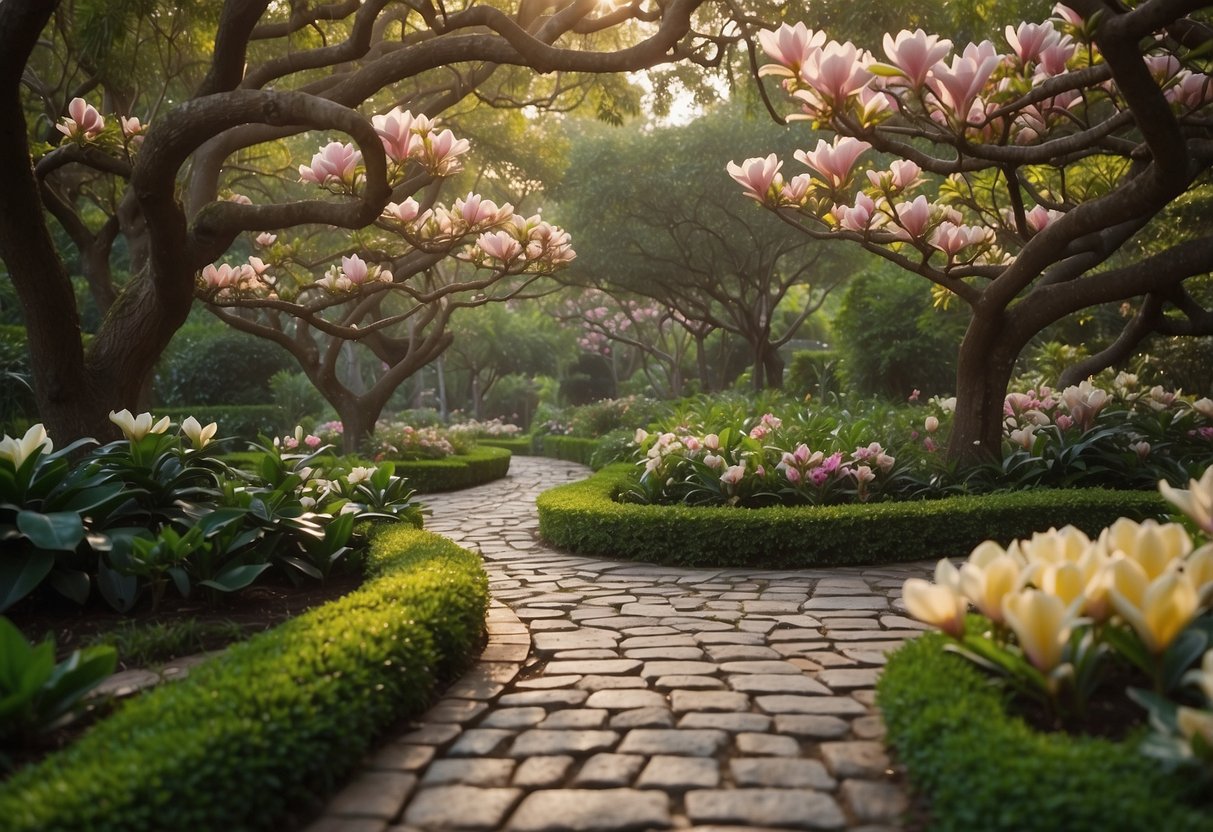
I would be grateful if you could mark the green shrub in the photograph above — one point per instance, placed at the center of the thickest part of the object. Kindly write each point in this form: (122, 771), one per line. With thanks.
(297, 399)
(583, 517)
(197, 367)
(982, 769)
(259, 734)
(569, 448)
(476, 467)
(814, 373)
(518, 447)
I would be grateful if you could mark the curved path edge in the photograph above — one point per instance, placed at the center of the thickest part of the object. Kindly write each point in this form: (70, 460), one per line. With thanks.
(623, 696)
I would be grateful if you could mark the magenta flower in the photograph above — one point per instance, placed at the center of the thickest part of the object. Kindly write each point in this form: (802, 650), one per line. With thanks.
(82, 120)
(312, 441)
(858, 216)
(834, 161)
(334, 162)
(1040, 217)
(756, 176)
(915, 54)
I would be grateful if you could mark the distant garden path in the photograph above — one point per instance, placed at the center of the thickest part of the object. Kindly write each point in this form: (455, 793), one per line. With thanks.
(618, 695)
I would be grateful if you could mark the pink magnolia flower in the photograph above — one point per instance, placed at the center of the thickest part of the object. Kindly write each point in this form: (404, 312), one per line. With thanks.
(759, 432)
(265, 239)
(862, 474)
(858, 216)
(931, 424)
(132, 130)
(713, 461)
(796, 190)
(1064, 422)
(1040, 217)
(1028, 40)
(395, 129)
(258, 266)
(1084, 402)
(790, 47)
(312, 441)
(355, 269)
(872, 102)
(1064, 13)
(956, 86)
(836, 72)
(82, 120)
(901, 174)
(792, 474)
(733, 474)
(1053, 59)
(913, 217)
(711, 442)
(834, 161)
(441, 153)
(757, 175)
(476, 210)
(219, 277)
(335, 162)
(499, 245)
(951, 239)
(915, 53)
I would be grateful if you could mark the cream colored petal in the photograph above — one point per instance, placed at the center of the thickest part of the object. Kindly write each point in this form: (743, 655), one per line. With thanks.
(937, 605)
(1169, 606)
(1192, 722)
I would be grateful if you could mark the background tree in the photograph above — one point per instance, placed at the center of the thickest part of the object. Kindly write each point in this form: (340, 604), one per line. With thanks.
(657, 220)
(1050, 158)
(270, 73)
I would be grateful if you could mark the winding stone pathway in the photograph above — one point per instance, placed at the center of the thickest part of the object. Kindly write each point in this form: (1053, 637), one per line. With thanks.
(625, 696)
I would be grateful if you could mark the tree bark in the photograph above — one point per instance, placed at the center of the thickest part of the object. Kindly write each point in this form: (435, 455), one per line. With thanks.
(987, 359)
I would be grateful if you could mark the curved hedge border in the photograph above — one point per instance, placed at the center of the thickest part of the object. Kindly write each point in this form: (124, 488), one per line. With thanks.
(569, 448)
(583, 517)
(522, 446)
(258, 735)
(982, 769)
(480, 465)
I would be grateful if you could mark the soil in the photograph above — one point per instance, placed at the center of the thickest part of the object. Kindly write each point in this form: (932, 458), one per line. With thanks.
(258, 608)
(1110, 713)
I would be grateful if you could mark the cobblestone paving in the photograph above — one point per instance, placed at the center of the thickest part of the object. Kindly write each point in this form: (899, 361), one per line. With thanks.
(624, 696)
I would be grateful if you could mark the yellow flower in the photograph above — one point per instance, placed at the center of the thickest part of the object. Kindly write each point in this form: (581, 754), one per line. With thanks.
(17, 451)
(1193, 722)
(1041, 623)
(987, 577)
(1204, 676)
(1196, 502)
(1157, 610)
(1055, 545)
(198, 435)
(939, 604)
(1064, 581)
(1152, 545)
(135, 428)
(1199, 567)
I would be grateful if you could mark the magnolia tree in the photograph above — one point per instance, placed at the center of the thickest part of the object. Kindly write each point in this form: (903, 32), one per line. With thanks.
(394, 297)
(271, 71)
(659, 338)
(1009, 177)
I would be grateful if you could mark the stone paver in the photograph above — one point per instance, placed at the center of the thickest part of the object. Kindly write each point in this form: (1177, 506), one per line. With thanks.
(624, 696)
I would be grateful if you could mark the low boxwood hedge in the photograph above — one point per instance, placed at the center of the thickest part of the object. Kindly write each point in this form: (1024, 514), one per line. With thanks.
(584, 517)
(480, 465)
(980, 768)
(568, 448)
(521, 446)
(256, 737)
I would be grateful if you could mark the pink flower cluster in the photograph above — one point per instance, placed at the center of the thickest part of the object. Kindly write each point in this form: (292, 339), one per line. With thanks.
(351, 274)
(249, 278)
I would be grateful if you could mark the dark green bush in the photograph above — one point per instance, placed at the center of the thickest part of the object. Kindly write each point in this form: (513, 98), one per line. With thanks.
(242, 421)
(476, 467)
(197, 368)
(583, 517)
(814, 373)
(569, 448)
(260, 734)
(982, 769)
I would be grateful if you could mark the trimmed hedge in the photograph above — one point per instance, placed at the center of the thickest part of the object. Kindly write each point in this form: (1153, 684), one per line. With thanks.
(568, 448)
(983, 769)
(257, 736)
(522, 446)
(476, 467)
(584, 517)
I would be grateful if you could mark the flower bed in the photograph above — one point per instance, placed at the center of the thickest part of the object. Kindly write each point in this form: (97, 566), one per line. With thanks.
(255, 737)
(984, 769)
(585, 517)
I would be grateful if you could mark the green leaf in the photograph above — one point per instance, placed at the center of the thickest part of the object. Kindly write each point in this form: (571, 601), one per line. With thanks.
(73, 678)
(216, 521)
(21, 573)
(119, 591)
(181, 580)
(303, 566)
(1187, 648)
(236, 578)
(59, 531)
(72, 584)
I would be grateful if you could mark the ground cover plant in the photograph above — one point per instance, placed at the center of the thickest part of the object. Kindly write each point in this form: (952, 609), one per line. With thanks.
(1065, 623)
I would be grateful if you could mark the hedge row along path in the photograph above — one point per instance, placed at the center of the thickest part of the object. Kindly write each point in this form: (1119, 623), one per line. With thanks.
(620, 696)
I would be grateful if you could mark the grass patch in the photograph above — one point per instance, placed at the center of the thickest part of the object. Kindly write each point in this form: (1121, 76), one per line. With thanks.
(584, 517)
(140, 644)
(255, 738)
(982, 769)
